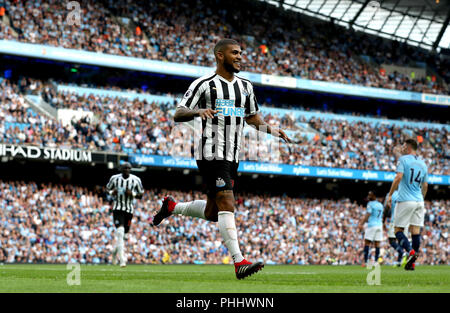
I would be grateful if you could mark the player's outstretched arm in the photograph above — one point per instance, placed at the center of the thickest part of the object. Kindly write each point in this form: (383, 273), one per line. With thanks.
(256, 121)
(183, 114)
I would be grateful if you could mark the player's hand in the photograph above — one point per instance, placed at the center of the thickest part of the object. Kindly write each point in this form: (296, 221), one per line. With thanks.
(388, 202)
(129, 192)
(114, 192)
(206, 113)
(283, 136)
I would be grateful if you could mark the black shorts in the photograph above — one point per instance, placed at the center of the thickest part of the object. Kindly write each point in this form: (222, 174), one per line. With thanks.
(122, 218)
(218, 175)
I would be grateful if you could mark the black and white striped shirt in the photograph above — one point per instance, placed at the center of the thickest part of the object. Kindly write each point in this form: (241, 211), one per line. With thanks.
(221, 136)
(122, 202)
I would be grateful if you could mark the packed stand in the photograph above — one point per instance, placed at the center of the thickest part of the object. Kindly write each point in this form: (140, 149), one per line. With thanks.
(186, 31)
(365, 145)
(136, 126)
(49, 22)
(62, 224)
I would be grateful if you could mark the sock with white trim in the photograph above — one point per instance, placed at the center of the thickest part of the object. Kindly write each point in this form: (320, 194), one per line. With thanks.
(120, 243)
(194, 208)
(227, 228)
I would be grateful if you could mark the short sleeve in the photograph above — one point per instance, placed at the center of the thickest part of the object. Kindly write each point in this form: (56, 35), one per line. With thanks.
(139, 187)
(251, 105)
(192, 96)
(369, 208)
(425, 178)
(400, 166)
(110, 184)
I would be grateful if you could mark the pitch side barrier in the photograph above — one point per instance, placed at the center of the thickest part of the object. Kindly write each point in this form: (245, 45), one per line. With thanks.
(282, 169)
(139, 64)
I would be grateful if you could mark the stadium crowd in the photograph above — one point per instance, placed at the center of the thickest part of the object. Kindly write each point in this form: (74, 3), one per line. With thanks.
(136, 126)
(186, 31)
(65, 223)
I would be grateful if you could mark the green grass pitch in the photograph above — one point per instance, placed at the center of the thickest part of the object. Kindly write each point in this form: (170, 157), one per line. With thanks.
(220, 279)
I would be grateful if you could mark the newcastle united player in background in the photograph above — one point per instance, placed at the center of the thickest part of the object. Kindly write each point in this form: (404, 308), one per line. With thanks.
(124, 187)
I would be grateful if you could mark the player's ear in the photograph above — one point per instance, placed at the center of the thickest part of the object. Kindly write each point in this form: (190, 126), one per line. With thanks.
(219, 56)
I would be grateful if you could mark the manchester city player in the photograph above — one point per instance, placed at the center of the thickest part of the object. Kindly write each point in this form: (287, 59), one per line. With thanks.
(411, 181)
(374, 230)
(391, 234)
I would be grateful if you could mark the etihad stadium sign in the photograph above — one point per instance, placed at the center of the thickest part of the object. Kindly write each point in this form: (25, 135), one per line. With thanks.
(58, 154)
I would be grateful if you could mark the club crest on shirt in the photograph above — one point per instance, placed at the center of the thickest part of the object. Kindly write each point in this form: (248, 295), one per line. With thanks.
(220, 182)
(188, 94)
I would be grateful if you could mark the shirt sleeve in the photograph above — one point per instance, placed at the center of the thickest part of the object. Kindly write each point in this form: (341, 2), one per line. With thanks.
(251, 104)
(425, 178)
(400, 166)
(110, 184)
(369, 208)
(139, 189)
(192, 96)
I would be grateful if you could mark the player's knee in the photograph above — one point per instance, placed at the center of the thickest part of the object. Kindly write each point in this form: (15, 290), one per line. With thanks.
(414, 230)
(211, 216)
(211, 210)
(398, 229)
(225, 201)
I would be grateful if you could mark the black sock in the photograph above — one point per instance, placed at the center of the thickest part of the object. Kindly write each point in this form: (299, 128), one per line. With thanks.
(397, 247)
(366, 254)
(393, 243)
(415, 242)
(403, 241)
(377, 253)
(400, 254)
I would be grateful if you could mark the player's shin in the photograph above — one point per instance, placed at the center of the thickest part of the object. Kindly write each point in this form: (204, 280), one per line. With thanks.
(415, 242)
(403, 241)
(366, 254)
(377, 254)
(194, 208)
(227, 228)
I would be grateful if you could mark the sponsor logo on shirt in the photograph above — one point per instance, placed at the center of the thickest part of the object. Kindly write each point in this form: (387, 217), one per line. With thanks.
(225, 107)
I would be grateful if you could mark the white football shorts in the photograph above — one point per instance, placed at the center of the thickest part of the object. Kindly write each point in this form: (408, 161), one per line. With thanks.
(374, 233)
(409, 213)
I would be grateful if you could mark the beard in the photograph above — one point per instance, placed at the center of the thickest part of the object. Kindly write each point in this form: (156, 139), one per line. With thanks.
(229, 67)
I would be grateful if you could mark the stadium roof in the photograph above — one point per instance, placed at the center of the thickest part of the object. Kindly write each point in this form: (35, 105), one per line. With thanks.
(421, 23)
